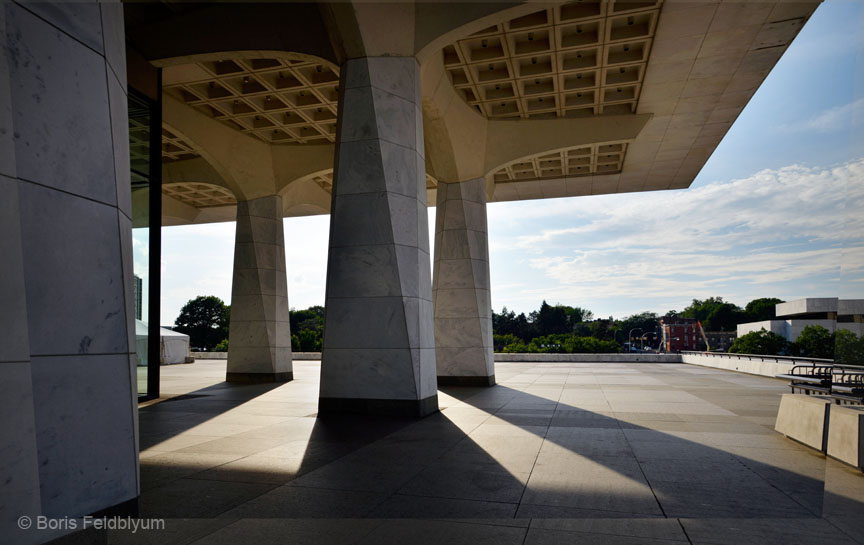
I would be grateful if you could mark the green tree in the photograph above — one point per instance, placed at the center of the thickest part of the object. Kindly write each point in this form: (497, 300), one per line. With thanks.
(508, 323)
(646, 321)
(590, 345)
(309, 340)
(603, 329)
(500, 341)
(552, 320)
(311, 318)
(205, 319)
(848, 348)
(815, 342)
(759, 342)
(518, 347)
(577, 315)
(715, 314)
(724, 317)
(759, 310)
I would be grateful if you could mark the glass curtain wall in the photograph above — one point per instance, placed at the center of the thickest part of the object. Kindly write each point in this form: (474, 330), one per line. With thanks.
(145, 159)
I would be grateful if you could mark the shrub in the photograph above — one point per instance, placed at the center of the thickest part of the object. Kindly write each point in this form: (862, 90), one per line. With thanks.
(500, 341)
(759, 342)
(222, 346)
(815, 342)
(517, 347)
(848, 348)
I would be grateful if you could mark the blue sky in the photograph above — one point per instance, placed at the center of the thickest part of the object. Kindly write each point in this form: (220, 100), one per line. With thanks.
(775, 212)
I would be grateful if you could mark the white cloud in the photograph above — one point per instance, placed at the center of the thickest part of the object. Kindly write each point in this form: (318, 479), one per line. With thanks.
(832, 119)
(793, 231)
(794, 226)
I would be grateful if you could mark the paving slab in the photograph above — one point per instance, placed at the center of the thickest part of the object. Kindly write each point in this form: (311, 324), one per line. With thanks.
(555, 453)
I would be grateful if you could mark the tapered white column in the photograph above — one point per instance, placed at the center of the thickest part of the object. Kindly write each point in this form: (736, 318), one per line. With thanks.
(259, 341)
(463, 308)
(379, 354)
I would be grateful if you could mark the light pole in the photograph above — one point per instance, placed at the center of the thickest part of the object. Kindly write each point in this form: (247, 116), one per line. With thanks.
(642, 339)
(630, 337)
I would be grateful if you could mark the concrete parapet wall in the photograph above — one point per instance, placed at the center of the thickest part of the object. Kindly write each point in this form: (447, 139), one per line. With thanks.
(296, 356)
(846, 435)
(607, 358)
(753, 365)
(599, 358)
(805, 419)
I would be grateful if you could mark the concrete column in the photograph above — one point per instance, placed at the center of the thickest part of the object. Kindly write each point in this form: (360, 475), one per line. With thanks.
(259, 341)
(379, 354)
(463, 308)
(68, 399)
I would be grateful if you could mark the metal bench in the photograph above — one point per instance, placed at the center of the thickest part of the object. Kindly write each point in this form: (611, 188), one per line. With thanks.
(810, 378)
(847, 384)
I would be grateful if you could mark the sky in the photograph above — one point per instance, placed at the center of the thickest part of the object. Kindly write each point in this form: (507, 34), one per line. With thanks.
(775, 212)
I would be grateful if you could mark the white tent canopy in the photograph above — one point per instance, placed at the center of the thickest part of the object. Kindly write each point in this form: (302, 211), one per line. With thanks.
(173, 346)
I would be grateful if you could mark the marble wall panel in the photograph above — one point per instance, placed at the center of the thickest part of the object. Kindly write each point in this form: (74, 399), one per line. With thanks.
(62, 119)
(73, 266)
(259, 340)
(379, 313)
(71, 411)
(361, 370)
(80, 20)
(119, 110)
(463, 319)
(13, 304)
(19, 469)
(380, 268)
(85, 432)
(7, 143)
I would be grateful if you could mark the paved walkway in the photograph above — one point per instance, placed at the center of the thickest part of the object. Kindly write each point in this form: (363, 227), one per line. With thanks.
(556, 453)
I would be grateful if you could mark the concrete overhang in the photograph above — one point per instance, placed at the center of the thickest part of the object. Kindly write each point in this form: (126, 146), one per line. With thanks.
(542, 99)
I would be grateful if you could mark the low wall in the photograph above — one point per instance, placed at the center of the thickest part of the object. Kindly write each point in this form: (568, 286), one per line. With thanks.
(607, 358)
(591, 358)
(805, 419)
(766, 366)
(224, 355)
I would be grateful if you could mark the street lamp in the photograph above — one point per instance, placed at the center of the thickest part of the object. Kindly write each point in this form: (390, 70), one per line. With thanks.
(642, 339)
(630, 337)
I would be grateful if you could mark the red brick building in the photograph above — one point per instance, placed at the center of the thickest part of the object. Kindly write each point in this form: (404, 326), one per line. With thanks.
(680, 334)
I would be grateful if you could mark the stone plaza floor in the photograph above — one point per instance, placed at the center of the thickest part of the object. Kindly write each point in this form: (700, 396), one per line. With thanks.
(555, 453)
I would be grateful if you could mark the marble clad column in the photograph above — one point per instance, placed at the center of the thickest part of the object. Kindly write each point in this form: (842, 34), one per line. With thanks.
(259, 342)
(463, 308)
(68, 392)
(379, 354)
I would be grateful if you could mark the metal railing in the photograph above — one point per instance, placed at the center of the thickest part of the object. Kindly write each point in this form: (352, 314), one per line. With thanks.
(763, 357)
(795, 360)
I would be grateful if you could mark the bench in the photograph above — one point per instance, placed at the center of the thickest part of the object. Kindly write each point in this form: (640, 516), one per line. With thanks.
(847, 385)
(810, 378)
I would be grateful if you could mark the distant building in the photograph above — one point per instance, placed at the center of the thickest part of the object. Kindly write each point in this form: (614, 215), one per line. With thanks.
(139, 288)
(679, 333)
(829, 312)
(720, 341)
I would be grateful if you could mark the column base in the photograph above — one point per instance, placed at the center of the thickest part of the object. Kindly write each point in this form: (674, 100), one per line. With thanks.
(417, 408)
(466, 381)
(258, 378)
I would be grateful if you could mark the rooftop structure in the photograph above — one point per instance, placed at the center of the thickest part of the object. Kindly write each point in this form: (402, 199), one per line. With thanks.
(556, 452)
(828, 312)
(117, 119)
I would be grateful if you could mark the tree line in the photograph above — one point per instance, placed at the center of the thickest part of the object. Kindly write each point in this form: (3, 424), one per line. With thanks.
(562, 328)
(559, 329)
(206, 319)
(814, 341)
